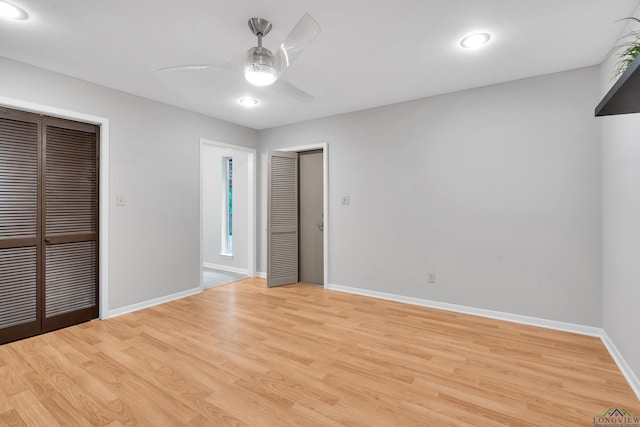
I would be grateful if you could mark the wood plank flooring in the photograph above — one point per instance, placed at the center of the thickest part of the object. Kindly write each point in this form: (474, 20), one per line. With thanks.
(245, 355)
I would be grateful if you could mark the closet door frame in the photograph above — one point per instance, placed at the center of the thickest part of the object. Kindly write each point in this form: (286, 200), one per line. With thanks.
(39, 115)
(104, 123)
(324, 146)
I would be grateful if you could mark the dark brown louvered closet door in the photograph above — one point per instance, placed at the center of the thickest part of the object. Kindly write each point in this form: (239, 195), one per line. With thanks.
(48, 223)
(70, 226)
(19, 225)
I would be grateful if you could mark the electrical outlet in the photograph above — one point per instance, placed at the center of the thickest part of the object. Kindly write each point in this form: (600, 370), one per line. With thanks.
(345, 200)
(432, 277)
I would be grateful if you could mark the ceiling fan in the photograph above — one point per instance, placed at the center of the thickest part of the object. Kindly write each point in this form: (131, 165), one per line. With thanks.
(259, 65)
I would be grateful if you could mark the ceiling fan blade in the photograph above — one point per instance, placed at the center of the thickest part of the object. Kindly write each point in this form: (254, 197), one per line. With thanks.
(191, 67)
(305, 31)
(291, 90)
(233, 63)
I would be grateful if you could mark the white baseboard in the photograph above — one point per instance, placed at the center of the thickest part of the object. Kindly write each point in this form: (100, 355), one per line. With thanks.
(516, 318)
(261, 274)
(626, 370)
(225, 268)
(156, 301)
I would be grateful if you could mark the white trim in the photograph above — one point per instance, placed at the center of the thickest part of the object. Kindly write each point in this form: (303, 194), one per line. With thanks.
(251, 204)
(252, 214)
(516, 318)
(632, 379)
(103, 250)
(325, 212)
(153, 302)
(225, 256)
(225, 268)
(325, 199)
(103, 256)
(261, 274)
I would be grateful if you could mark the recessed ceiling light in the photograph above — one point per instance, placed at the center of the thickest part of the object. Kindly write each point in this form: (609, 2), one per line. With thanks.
(475, 40)
(11, 11)
(248, 102)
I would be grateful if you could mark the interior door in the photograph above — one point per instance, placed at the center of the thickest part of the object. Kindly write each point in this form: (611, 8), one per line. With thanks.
(311, 217)
(20, 312)
(70, 232)
(282, 227)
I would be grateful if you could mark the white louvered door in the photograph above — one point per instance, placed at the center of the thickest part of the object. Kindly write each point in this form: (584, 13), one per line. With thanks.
(282, 241)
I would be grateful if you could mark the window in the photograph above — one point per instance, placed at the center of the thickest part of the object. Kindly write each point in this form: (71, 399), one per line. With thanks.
(227, 205)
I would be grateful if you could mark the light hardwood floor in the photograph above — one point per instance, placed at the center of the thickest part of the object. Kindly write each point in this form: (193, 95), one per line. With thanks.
(242, 354)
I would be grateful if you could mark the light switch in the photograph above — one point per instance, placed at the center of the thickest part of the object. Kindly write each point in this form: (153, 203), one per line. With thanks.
(119, 200)
(345, 200)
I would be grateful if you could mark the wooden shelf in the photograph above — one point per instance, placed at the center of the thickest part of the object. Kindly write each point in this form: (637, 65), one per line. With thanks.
(624, 96)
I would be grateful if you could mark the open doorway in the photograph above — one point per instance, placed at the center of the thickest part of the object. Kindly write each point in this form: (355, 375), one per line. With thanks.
(227, 213)
(297, 217)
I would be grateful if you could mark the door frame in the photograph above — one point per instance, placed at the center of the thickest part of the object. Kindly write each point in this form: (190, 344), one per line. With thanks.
(251, 203)
(324, 146)
(103, 202)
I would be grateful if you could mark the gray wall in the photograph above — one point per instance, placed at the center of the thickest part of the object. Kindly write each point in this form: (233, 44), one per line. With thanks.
(621, 226)
(155, 238)
(212, 185)
(496, 190)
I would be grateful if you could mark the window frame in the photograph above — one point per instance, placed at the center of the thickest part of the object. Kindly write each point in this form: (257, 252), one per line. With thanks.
(226, 232)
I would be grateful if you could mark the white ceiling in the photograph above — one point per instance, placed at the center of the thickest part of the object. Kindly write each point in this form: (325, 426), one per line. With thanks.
(370, 52)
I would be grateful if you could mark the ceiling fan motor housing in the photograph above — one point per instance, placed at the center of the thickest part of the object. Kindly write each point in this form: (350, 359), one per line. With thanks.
(259, 66)
(260, 57)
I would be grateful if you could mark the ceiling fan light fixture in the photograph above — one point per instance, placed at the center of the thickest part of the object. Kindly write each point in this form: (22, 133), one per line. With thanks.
(259, 69)
(11, 11)
(260, 77)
